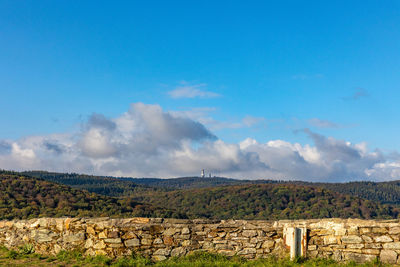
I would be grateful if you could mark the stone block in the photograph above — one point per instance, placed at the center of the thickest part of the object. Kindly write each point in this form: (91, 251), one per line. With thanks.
(156, 229)
(185, 231)
(222, 234)
(113, 234)
(371, 251)
(146, 242)
(373, 245)
(103, 234)
(132, 243)
(119, 245)
(113, 240)
(353, 230)
(74, 237)
(268, 244)
(99, 245)
(159, 257)
(358, 258)
(365, 230)
(162, 251)
(129, 235)
(247, 251)
(356, 246)
(383, 239)
(43, 235)
(326, 232)
(171, 231)
(90, 230)
(158, 241)
(393, 245)
(89, 243)
(329, 240)
(249, 233)
(379, 230)
(340, 231)
(253, 240)
(388, 256)
(168, 240)
(367, 239)
(394, 230)
(311, 247)
(208, 245)
(178, 252)
(223, 247)
(351, 239)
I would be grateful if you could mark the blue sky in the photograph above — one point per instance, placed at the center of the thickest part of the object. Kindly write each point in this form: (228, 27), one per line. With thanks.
(261, 69)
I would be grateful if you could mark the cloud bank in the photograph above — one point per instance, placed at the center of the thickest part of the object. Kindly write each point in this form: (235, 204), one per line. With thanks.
(146, 141)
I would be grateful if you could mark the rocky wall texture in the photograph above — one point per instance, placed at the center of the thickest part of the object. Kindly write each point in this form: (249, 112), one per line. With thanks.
(343, 240)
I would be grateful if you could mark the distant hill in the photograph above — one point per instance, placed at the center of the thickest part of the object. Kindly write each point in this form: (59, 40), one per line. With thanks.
(118, 186)
(383, 192)
(172, 191)
(190, 182)
(104, 185)
(26, 197)
(268, 201)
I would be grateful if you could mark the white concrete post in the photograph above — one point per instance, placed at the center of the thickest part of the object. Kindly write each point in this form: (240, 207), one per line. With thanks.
(296, 239)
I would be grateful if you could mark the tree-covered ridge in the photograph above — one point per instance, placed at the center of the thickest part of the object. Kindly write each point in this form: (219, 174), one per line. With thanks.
(104, 185)
(189, 182)
(25, 197)
(229, 198)
(383, 192)
(268, 201)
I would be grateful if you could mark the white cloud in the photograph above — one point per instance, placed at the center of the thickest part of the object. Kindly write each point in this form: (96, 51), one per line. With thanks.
(192, 91)
(146, 141)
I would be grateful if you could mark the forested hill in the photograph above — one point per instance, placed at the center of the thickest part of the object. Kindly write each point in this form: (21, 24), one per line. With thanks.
(383, 192)
(26, 197)
(191, 182)
(117, 186)
(104, 185)
(268, 201)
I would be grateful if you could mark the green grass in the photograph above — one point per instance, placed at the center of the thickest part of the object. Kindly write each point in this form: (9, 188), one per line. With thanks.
(25, 256)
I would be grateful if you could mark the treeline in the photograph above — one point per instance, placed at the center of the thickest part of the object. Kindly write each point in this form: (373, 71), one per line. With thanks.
(383, 192)
(104, 185)
(268, 201)
(25, 197)
(48, 195)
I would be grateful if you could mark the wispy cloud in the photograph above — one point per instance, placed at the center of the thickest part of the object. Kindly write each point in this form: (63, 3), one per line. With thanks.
(186, 90)
(250, 121)
(357, 94)
(307, 76)
(204, 116)
(323, 123)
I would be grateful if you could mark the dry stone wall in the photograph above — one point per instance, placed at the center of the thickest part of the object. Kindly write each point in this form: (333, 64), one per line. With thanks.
(342, 240)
